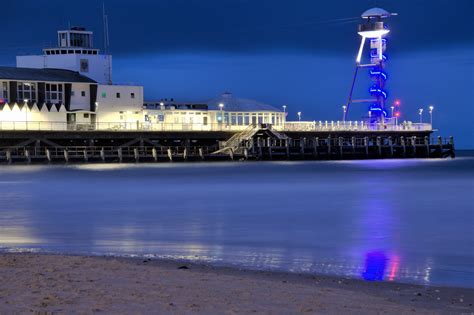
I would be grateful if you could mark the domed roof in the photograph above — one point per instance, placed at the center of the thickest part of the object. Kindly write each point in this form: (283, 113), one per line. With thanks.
(375, 12)
(234, 104)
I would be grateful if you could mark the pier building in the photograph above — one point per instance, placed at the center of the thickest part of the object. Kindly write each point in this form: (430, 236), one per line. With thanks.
(63, 106)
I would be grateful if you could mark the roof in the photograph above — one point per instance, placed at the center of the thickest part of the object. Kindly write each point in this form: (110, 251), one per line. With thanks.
(47, 75)
(375, 12)
(234, 104)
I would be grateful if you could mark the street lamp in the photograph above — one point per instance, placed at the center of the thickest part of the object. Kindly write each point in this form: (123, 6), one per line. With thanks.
(299, 116)
(284, 109)
(344, 110)
(420, 112)
(392, 108)
(221, 106)
(431, 115)
(96, 115)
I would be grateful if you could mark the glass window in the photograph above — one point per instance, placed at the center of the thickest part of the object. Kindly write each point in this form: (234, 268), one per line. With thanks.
(132, 95)
(83, 93)
(233, 119)
(27, 91)
(4, 91)
(54, 93)
(240, 120)
(246, 119)
(118, 95)
(104, 94)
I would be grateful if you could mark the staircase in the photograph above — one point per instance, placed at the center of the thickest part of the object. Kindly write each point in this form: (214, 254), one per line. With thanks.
(235, 143)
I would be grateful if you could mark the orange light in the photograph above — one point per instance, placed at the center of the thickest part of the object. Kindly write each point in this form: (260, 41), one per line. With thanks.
(397, 114)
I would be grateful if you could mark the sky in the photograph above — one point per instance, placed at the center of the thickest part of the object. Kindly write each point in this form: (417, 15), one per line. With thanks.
(298, 53)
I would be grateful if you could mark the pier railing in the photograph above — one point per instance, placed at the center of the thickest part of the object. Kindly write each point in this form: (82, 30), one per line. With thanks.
(353, 126)
(147, 126)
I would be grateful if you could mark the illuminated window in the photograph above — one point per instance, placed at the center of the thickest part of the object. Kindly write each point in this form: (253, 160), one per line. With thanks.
(27, 91)
(4, 91)
(54, 93)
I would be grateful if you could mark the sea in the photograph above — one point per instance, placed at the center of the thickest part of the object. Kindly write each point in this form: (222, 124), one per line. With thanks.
(408, 220)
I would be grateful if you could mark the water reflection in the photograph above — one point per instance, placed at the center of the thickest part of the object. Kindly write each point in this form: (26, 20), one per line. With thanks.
(352, 219)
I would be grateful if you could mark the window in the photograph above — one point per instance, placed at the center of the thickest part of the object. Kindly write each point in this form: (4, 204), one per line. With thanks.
(72, 93)
(132, 95)
(104, 94)
(86, 115)
(83, 93)
(4, 91)
(27, 91)
(54, 93)
(118, 95)
(84, 65)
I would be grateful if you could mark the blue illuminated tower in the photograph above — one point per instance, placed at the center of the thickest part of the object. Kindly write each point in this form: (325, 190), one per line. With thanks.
(373, 30)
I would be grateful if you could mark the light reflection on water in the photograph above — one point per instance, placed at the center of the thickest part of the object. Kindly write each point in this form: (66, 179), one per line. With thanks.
(394, 220)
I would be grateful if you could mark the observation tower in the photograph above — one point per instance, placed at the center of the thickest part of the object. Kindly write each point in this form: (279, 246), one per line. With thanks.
(374, 31)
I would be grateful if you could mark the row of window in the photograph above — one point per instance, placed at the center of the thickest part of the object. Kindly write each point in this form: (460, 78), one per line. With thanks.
(54, 93)
(118, 95)
(71, 51)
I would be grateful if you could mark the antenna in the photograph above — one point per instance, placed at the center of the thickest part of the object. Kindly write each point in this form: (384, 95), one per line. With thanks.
(106, 29)
(106, 43)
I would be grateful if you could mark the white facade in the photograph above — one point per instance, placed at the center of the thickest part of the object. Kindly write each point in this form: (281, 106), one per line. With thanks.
(96, 67)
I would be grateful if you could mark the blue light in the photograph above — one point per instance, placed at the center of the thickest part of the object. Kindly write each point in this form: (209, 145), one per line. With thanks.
(380, 73)
(376, 90)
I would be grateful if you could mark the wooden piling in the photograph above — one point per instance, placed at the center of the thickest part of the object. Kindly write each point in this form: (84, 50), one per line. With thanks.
(340, 142)
(48, 155)
(120, 154)
(170, 154)
(404, 147)
(201, 154)
(154, 154)
(136, 155)
(9, 156)
(366, 144)
(66, 155)
(86, 158)
(379, 145)
(27, 156)
(102, 154)
(390, 143)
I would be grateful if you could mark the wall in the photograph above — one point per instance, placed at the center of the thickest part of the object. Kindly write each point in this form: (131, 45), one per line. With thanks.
(98, 64)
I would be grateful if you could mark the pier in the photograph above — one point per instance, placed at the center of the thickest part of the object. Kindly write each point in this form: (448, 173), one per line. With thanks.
(259, 142)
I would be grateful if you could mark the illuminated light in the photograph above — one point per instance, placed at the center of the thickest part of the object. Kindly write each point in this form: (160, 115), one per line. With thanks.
(394, 266)
(361, 48)
(380, 73)
(374, 90)
(374, 34)
(397, 114)
(397, 103)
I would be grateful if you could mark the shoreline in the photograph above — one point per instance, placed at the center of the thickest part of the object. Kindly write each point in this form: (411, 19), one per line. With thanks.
(48, 282)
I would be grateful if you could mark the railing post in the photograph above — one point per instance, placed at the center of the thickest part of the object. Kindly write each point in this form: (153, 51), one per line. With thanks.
(102, 154)
(366, 145)
(427, 145)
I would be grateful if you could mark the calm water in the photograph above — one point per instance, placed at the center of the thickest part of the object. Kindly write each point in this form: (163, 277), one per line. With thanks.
(393, 220)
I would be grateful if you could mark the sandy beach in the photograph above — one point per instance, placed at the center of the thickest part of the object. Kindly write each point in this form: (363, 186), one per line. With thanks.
(83, 284)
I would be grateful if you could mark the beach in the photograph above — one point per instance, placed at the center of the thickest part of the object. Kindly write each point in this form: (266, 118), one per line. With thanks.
(89, 284)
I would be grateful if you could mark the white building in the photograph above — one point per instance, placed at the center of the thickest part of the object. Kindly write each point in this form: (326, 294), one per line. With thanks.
(69, 87)
(225, 112)
(73, 79)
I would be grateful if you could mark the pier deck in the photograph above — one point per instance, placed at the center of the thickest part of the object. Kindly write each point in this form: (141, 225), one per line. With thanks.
(263, 144)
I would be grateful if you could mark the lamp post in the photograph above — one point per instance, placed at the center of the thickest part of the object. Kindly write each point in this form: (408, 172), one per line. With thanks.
(299, 116)
(344, 111)
(431, 115)
(420, 112)
(96, 115)
(221, 107)
(284, 109)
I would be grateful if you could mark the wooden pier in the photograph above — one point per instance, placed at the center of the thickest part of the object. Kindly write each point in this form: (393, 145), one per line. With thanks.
(260, 143)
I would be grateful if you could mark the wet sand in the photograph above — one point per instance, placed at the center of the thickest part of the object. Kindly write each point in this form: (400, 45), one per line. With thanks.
(83, 284)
